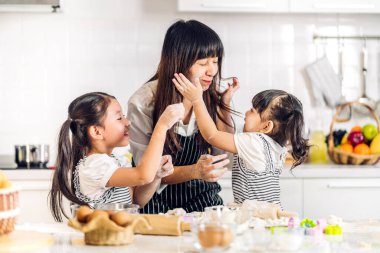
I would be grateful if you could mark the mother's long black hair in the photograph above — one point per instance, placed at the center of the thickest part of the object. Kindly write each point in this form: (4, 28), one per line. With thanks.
(286, 112)
(186, 42)
(85, 111)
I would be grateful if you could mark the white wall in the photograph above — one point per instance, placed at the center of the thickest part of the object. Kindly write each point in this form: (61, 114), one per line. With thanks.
(46, 60)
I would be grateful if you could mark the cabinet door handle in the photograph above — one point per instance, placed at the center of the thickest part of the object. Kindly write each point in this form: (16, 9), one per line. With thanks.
(334, 6)
(337, 185)
(234, 5)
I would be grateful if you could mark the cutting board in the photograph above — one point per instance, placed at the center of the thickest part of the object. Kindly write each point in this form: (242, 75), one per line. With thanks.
(24, 241)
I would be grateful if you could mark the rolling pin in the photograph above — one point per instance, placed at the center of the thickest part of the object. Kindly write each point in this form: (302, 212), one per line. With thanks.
(162, 225)
(265, 210)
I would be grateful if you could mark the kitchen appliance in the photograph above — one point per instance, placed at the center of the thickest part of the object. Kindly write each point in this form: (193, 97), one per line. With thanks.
(32, 156)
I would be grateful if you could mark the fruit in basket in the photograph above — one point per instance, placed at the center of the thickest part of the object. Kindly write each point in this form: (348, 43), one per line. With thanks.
(344, 139)
(356, 129)
(338, 136)
(347, 147)
(355, 138)
(375, 145)
(369, 131)
(362, 149)
(4, 182)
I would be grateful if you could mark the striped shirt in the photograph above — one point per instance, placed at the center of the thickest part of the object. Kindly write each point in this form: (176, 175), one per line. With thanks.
(91, 176)
(256, 168)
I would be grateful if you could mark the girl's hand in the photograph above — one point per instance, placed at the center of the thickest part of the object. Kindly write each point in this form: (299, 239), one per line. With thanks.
(172, 114)
(210, 168)
(230, 91)
(166, 167)
(190, 91)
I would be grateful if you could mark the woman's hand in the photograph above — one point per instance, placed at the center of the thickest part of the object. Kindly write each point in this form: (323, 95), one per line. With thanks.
(190, 91)
(230, 91)
(172, 114)
(166, 167)
(210, 168)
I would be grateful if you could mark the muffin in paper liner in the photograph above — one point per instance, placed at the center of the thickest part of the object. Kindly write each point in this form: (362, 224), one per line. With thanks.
(103, 231)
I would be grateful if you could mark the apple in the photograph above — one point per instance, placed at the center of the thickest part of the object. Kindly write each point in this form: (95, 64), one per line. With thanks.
(369, 131)
(355, 138)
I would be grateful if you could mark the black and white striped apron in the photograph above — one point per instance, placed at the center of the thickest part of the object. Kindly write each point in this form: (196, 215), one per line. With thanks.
(192, 195)
(248, 183)
(111, 195)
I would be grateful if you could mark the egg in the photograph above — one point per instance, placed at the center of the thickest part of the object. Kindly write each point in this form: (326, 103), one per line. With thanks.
(83, 212)
(97, 213)
(121, 218)
(227, 238)
(210, 236)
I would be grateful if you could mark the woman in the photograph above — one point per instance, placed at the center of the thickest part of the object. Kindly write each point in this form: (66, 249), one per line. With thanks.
(192, 48)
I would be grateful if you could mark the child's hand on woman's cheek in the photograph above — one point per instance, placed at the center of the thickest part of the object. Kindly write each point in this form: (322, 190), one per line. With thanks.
(166, 167)
(189, 90)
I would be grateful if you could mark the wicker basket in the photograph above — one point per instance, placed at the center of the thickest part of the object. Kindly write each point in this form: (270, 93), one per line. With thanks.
(102, 231)
(8, 209)
(342, 157)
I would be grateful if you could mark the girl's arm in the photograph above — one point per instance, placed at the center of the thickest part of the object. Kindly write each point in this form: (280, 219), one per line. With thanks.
(209, 131)
(227, 98)
(140, 113)
(150, 162)
(142, 194)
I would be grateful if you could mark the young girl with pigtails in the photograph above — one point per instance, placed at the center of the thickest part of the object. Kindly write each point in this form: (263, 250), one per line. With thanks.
(274, 122)
(87, 172)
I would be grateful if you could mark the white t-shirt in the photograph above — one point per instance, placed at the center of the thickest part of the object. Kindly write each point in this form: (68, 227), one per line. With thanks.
(251, 149)
(95, 171)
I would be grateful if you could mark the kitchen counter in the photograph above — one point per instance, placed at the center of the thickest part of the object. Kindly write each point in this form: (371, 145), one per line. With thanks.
(302, 171)
(66, 239)
(309, 190)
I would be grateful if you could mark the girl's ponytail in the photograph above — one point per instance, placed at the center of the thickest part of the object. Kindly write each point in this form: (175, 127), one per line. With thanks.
(85, 111)
(294, 133)
(61, 184)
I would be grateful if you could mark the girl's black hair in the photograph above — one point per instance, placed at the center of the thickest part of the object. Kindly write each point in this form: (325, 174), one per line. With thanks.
(85, 111)
(186, 42)
(286, 112)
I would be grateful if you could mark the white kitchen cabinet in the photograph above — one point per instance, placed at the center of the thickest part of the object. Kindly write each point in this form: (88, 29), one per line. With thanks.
(334, 6)
(292, 195)
(280, 6)
(233, 6)
(33, 201)
(347, 198)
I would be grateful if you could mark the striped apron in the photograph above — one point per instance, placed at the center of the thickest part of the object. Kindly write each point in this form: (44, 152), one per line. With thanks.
(111, 195)
(192, 195)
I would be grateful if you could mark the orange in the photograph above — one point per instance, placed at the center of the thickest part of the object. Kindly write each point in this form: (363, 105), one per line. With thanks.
(347, 147)
(356, 129)
(362, 149)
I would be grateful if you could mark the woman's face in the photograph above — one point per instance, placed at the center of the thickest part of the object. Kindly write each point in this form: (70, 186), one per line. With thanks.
(204, 69)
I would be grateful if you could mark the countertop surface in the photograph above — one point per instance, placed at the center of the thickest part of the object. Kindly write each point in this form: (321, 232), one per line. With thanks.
(66, 239)
(302, 171)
